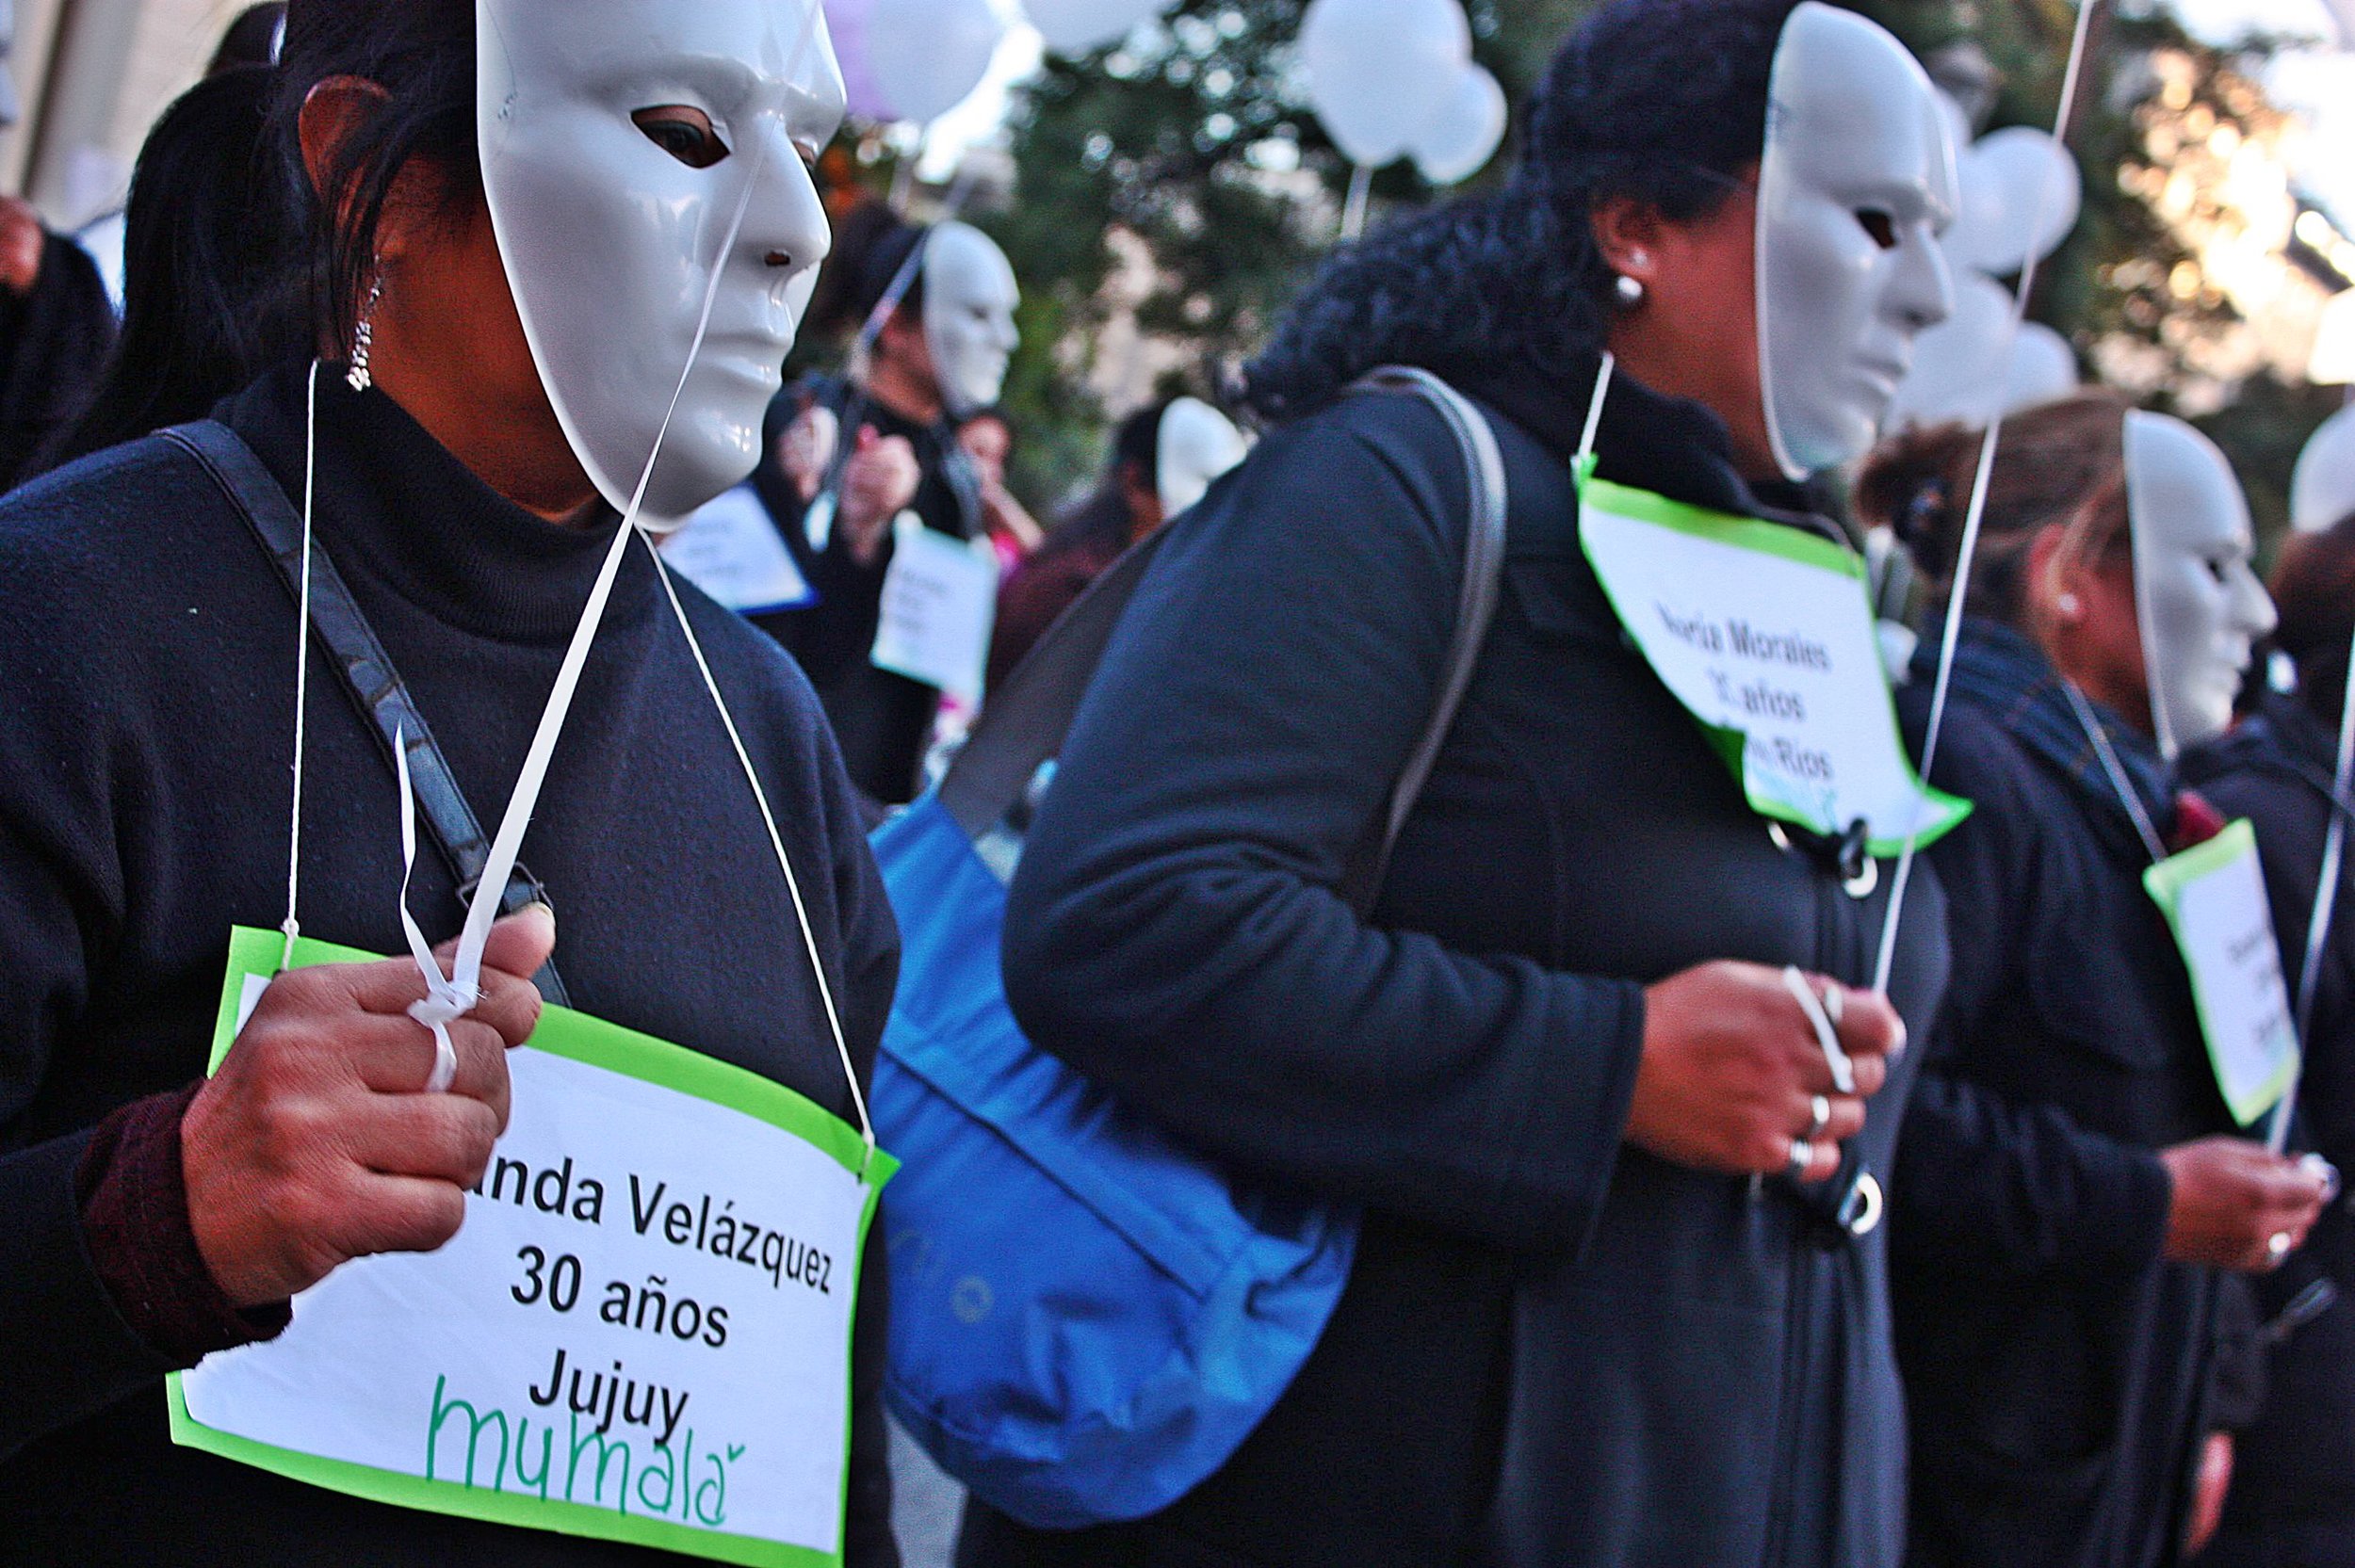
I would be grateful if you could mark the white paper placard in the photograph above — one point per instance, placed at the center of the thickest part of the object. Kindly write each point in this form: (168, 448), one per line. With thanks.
(642, 1329)
(1764, 633)
(732, 550)
(2214, 896)
(939, 606)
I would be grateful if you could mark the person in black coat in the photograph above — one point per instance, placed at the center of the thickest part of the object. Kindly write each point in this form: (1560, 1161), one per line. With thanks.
(2067, 1186)
(1551, 1064)
(872, 443)
(2291, 1503)
(151, 1215)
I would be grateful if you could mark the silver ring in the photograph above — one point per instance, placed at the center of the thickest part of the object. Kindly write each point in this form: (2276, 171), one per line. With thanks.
(1861, 1214)
(1819, 1112)
(1802, 1156)
(2277, 1245)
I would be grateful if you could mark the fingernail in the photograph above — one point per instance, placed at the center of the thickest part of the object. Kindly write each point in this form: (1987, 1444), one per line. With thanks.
(544, 907)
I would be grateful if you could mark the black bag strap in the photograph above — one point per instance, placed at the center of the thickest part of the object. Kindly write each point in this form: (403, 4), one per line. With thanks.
(1025, 719)
(368, 675)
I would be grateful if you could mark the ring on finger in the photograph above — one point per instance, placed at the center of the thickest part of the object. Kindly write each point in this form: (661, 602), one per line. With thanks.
(1819, 1116)
(2277, 1245)
(1802, 1156)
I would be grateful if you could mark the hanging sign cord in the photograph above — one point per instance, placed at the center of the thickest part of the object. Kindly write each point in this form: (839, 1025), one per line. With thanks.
(1958, 595)
(2326, 905)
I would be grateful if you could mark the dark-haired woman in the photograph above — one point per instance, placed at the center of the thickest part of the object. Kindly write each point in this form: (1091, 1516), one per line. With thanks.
(2066, 1191)
(1549, 1064)
(151, 1215)
(2291, 1503)
(931, 312)
(208, 299)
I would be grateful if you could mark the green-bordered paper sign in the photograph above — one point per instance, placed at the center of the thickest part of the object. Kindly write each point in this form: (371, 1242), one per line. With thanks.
(641, 1334)
(1766, 634)
(2214, 897)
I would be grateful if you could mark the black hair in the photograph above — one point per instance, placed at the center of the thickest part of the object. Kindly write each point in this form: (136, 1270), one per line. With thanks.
(422, 54)
(1660, 101)
(871, 248)
(207, 234)
(250, 39)
(1101, 518)
(2313, 587)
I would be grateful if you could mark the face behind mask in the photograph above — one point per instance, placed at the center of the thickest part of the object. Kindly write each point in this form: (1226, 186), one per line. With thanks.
(1196, 444)
(1857, 184)
(969, 300)
(2200, 605)
(620, 150)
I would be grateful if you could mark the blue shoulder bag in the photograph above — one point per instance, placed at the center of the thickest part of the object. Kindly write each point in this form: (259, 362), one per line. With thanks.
(1088, 1317)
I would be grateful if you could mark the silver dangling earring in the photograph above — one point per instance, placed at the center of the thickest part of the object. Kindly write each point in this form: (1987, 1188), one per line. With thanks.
(1629, 290)
(364, 339)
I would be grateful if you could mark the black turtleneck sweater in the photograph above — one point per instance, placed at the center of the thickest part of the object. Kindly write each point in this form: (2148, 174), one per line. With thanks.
(147, 649)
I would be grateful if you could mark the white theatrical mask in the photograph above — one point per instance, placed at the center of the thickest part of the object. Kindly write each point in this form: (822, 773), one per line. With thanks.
(2199, 604)
(623, 146)
(1196, 445)
(970, 301)
(1857, 184)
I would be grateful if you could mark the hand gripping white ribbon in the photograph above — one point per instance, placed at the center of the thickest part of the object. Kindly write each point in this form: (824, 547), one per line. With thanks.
(446, 1001)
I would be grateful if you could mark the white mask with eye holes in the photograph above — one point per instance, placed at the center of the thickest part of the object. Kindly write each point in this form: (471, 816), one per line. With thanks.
(2199, 603)
(1196, 445)
(624, 144)
(1857, 182)
(969, 300)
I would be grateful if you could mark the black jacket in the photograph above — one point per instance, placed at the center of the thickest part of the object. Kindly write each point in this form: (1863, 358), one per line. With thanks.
(884, 721)
(147, 650)
(53, 348)
(2295, 1467)
(2055, 1368)
(1552, 1349)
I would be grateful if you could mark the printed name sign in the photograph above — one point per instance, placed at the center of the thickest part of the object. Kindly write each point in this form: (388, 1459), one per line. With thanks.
(939, 605)
(2214, 897)
(1765, 636)
(732, 551)
(641, 1334)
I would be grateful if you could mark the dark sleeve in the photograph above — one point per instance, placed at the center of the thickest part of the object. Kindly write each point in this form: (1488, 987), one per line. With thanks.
(870, 967)
(1985, 1186)
(61, 334)
(135, 1223)
(1032, 600)
(1176, 929)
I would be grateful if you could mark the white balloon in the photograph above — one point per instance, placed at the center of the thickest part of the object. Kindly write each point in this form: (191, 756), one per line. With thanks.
(2043, 367)
(1381, 71)
(1958, 366)
(928, 55)
(1468, 131)
(2322, 486)
(1076, 27)
(2012, 178)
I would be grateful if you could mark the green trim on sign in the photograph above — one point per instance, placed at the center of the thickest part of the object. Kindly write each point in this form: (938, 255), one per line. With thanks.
(578, 1037)
(1948, 811)
(1744, 533)
(2165, 881)
(594, 1042)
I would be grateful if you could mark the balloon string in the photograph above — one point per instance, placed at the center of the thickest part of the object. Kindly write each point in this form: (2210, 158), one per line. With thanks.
(1976, 515)
(2326, 905)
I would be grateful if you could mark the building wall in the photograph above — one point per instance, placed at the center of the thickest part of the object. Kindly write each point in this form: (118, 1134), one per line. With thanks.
(95, 74)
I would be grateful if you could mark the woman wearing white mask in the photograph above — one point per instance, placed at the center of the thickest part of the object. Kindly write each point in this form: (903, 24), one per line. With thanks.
(1619, 1295)
(2068, 1184)
(933, 309)
(538, 264)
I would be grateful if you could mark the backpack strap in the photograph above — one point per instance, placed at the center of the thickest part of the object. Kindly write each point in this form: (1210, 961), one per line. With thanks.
(367, 672)
(1025, 720)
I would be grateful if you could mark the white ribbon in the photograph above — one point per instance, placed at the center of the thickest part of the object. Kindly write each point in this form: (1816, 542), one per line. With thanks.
(446, 1001)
